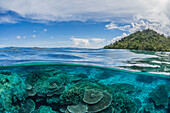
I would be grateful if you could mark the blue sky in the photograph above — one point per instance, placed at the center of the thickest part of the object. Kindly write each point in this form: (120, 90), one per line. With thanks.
(54, 34)
(89, 24)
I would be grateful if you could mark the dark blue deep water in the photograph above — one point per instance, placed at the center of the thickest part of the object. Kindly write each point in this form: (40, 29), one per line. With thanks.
(78, 80)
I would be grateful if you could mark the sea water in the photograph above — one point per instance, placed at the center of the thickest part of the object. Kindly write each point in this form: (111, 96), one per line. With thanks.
(48, 80)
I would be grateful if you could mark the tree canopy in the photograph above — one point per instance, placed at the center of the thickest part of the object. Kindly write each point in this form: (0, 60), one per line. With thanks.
(142, 40)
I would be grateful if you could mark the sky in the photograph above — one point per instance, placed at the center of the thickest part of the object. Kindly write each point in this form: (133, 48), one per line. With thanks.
(78, 23)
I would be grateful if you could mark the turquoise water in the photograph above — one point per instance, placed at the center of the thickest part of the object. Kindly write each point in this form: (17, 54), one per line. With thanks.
(72, 80)
(57, 88)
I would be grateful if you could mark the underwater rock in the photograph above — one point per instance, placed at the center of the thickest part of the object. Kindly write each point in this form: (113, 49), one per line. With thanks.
(145, 78)
(122, 102)
(102, 104)
(159, 95)
(123, 88)
(71, 96)
(28, 107)
(44, 109)
(79, 108)
(78, 77)
(92, 96)
(12, 92)
(106, 74)
(149, 108)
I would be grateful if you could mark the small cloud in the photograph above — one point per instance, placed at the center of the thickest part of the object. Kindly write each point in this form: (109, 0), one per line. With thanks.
(98, 40)
(88, 43)
(81, 42)
(52, 37)
(45, 30)
(33, 36)
(118, 38)
(18, 37)
(34, 31)
(24, 37)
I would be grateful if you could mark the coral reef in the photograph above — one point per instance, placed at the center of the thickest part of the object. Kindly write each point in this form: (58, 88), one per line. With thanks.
(27, 107)
(44, 109)
(92, 96)
(93, 85)
(110, 109)
(12, 91)
(37, 75)
(102, 104)
(55, 90)
(122, 102)
(71, 96)
(79, 108)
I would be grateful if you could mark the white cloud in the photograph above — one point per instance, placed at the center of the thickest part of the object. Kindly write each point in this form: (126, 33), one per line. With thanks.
(45, 30)
(52, 37)
(18, 37)
(24, 37)
(97, 40)
(118, 38)
(117, 11)
(34, 31)
(81, 42)
(33, 36)
(141, 25)
(88, 43)
(101, 10)
(7, 19)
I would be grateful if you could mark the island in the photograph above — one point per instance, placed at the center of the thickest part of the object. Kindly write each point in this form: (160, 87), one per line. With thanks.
(142, 40)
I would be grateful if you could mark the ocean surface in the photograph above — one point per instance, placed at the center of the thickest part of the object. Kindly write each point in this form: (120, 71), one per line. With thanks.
(145, 61)
(78, 80)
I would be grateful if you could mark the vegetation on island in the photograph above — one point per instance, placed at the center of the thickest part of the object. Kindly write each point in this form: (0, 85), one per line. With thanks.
(142, 40)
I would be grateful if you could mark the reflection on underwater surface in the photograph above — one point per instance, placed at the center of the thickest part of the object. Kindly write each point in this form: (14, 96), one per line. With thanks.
(81, 89)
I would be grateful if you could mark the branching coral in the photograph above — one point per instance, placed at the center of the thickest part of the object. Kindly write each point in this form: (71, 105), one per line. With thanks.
(122, 102)
(71, 96)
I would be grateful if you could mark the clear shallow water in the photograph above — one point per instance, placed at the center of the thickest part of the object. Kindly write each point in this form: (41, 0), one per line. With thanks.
(155, 62)
(65, 88)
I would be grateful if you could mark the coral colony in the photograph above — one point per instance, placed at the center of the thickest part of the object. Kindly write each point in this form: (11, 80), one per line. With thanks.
(67, 89)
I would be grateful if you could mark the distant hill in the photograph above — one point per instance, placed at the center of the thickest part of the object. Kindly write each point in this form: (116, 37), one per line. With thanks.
(142, 40)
